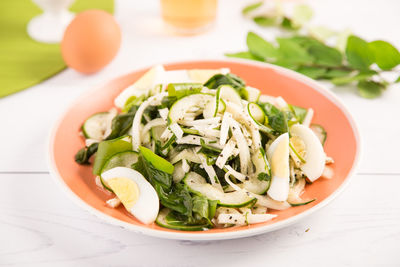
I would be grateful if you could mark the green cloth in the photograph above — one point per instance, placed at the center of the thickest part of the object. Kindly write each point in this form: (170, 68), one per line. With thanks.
(23, 61)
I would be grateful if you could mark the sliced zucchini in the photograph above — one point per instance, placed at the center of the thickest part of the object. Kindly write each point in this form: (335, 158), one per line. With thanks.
(251, 94)
(301, 203)
(179, 108)
(166, 219)
(228, 93)
(95, 126)
(212, 108)
(256, 113)
(319, 132)
(122, 159)
(109, 148)
(198, 185)
(254, 184)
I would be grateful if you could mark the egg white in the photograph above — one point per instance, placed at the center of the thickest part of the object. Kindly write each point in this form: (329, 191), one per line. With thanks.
(147, 205)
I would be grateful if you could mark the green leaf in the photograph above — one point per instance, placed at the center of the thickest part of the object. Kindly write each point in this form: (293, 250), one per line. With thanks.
(247, 9)
(177, 198)
(312, 72)
(109, 148)
(398, 80)
(341, 40)
(122, 123)
(301, 15)
(348, 79)
(83, 155)
(292, 53)
(158, 162)
(288, 24)
(358, 53)
(264, 21)
(152, 174)
(263, 176)
(325, 55)
(299, 112)
(276, 118)
(385, 55)
(335, 73)
(245, 55)
(200, 206)
(370, 89)
(227, 79)
(259, 47)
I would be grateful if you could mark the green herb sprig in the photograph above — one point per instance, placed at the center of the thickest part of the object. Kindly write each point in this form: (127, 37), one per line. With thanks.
(352, 61)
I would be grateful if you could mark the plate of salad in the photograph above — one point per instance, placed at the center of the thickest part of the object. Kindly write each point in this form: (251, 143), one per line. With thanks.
(205, 150)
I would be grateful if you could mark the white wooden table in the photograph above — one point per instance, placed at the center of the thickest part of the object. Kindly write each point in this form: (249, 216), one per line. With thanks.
(40, 226)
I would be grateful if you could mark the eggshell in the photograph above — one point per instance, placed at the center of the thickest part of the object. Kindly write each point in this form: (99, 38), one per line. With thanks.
(91, 41)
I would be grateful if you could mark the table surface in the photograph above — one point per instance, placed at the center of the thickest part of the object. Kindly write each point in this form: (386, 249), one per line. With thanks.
(40, 226)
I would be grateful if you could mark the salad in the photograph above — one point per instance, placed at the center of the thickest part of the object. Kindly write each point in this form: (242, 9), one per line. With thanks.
(199, 149)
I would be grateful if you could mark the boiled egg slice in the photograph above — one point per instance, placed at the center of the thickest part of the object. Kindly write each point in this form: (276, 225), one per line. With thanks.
(141, 86)
(134, 191)
(278, 155)
(313, 152)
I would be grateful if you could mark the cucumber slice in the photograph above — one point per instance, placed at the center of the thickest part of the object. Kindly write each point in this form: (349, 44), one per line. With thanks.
(212, 108)
(258, 116)
(251, 94)
(256, 113)
(319, 132)
(122, 159)
(179, 108)
(167, 220)
(228, 93)
(109, 148)
(94, 126)
(255, 185)
(198, 185)
(302, 203)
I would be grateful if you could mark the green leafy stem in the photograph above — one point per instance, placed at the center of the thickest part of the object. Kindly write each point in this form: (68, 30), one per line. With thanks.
(307, 52)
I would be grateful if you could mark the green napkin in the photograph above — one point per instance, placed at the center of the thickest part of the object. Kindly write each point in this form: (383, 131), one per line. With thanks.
(23, 61)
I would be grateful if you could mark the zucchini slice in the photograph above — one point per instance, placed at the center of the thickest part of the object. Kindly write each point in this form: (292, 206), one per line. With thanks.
(122, 159)
(255, 185)
(180, 107)
(167, 220)
(95, 125)
(228, 93)
(198, 185)
(251, 94)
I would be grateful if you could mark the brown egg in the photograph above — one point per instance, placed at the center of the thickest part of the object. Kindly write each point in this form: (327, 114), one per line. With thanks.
(91, 41)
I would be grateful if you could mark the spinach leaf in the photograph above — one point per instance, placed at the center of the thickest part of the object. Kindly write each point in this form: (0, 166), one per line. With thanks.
(122, 123)
(251, 7)
(276, 118)
(370, 89)
(228, 79)
(259, 47)
(386, 56)
(152, 174)
(177, 198)
(265, 21)
(83, 155)
(200, 206)
(358, 53)
(292, 54)
(299, 112)
(246, 55)
(312, 72)
(353, 77)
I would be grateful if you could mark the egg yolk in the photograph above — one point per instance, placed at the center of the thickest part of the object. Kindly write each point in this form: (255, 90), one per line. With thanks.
(126, 190)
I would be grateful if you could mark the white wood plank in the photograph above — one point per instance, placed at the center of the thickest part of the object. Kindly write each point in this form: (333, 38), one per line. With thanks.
(40, 226)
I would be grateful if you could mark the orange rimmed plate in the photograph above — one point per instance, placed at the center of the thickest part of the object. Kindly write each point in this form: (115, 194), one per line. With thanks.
(343, 144)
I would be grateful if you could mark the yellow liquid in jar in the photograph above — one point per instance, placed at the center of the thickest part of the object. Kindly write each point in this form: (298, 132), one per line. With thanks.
(189, 16)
